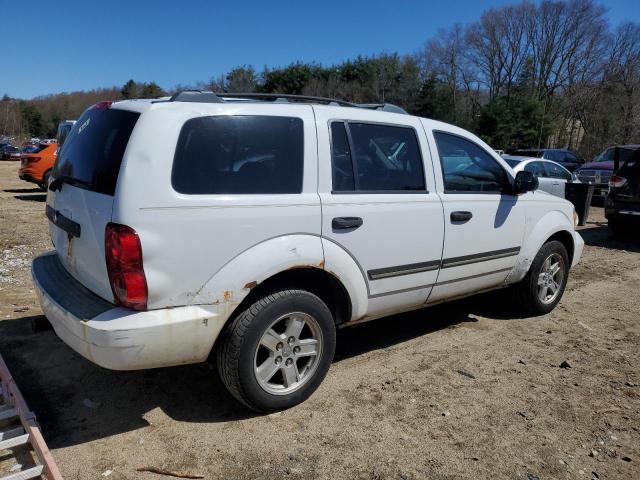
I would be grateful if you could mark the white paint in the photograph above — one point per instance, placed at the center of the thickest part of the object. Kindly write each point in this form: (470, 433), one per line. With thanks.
(203, 253)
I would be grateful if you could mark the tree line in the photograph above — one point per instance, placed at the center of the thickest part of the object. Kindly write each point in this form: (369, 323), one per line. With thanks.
(555, 74)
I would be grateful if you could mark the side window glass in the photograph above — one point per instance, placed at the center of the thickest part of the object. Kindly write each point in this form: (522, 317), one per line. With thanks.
(536, 168)
(239, 155)
(376, 158)
(468, 168)
(386, 158)
(556, 171)
(341, 166)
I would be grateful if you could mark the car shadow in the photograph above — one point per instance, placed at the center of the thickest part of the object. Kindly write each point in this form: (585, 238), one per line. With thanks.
(598, 234)
(76, 401)
(41, 197)
(22, 190)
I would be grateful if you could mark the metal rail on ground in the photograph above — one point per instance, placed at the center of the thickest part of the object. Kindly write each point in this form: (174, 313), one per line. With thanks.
(13, 408)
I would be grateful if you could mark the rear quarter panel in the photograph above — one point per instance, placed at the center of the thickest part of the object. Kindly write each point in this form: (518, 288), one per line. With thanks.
(197, 247)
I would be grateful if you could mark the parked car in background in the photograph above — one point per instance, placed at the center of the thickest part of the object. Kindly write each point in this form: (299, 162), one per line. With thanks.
(63, 132)
(29, 148)
(552, 176)
(9, 152)
(601, 169)
(622, 204)
(36, 166)
(568, 159)
(332, 213)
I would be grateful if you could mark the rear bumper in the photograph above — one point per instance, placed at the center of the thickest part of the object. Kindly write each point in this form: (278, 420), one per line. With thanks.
(118, 338)
(27, 177)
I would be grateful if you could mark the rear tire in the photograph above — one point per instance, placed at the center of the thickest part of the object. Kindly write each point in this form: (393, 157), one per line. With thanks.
(541, 289)
(266, 356)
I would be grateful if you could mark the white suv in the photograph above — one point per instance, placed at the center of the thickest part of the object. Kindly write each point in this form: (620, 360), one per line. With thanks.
(255, 225)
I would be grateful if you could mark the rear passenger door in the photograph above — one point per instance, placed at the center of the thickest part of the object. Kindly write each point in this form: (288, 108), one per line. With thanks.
(558, 176)
(484, 223)
(378, 201)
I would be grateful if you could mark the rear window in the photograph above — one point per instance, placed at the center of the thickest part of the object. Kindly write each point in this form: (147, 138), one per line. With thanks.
(93, 150)
(239, 155)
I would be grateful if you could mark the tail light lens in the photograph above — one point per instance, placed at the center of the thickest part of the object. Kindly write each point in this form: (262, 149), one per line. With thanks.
(103, 105)
(123, 254)
(617, 181)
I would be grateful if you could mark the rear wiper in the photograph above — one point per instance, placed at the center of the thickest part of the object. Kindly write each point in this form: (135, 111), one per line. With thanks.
(57, 182)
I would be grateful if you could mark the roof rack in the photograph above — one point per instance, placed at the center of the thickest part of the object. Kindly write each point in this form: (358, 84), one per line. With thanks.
(203, 96)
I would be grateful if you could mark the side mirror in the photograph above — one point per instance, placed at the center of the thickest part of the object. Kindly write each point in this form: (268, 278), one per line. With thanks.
(525, 182)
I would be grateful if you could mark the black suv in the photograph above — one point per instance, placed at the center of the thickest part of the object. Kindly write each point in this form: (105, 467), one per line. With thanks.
(622, 205)
(566, 158)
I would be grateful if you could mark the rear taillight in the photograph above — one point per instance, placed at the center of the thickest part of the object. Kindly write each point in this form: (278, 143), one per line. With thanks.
(33, 159)
(617, 181)
(123, 253)
(103, 105)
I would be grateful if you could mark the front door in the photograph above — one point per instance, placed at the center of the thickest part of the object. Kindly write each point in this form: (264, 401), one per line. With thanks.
(484, 225)
(378, 201)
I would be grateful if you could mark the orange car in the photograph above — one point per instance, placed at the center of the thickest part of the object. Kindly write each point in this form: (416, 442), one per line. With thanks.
(36, 166)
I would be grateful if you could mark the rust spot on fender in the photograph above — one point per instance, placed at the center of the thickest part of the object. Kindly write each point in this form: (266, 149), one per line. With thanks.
(321, 264)
(228, 295)
(251, 285)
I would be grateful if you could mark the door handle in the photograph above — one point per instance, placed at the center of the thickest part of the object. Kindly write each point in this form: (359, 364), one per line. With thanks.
(344, 223)
(461, 216)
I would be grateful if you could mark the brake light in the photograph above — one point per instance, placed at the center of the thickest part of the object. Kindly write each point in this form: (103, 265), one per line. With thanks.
(103, 105)
(33, 159)
(617, 181)
(123, 254)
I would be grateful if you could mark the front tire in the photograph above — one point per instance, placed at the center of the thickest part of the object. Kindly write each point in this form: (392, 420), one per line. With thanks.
(541, 289)
(276, 352)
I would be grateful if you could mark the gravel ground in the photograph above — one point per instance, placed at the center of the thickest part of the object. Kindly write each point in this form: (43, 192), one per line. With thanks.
(462, 390)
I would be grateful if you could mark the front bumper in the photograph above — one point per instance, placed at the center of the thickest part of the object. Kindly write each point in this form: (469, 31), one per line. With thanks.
(578, 247)
(118, 338)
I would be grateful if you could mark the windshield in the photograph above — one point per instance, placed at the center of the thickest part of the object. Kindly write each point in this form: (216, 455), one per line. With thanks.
(608, 155)
(94, 148)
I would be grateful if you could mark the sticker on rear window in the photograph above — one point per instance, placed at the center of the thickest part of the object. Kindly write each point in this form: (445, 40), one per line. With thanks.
(83, 126)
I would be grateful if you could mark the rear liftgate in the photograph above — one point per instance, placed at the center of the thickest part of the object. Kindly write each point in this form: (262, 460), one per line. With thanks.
(20, 433)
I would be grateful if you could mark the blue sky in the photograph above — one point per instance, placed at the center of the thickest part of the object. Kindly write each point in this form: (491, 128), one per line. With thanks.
(51, 47)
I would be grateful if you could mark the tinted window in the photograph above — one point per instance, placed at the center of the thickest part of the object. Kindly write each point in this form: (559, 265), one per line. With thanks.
(342, 169)
(239, 154)
(537, 168)
(554, 155)
(384, 158)
(466, 167)
(94, 148)
(556, 171)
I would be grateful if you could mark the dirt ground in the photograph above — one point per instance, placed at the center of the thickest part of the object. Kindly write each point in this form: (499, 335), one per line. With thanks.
(458, 391)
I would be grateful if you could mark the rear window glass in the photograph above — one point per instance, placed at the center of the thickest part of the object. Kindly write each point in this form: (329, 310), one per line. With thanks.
(239, 155)
(94, 148)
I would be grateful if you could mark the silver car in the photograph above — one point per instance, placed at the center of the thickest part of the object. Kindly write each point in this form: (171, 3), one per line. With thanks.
(552, 176)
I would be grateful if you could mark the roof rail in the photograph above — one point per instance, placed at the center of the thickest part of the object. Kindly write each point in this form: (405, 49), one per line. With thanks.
(195, 96)
(211, 97)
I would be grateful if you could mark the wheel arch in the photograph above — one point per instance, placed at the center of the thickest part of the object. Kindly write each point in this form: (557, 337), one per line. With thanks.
(552, 226)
